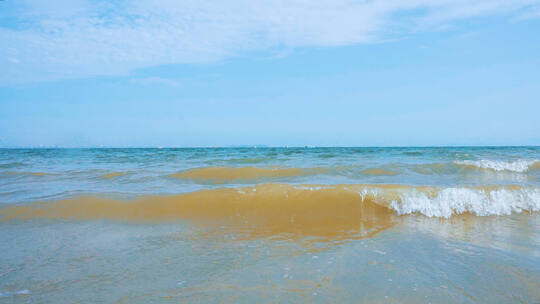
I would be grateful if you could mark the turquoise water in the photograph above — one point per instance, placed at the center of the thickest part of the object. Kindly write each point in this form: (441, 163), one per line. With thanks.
(374, 225)
(48, 174)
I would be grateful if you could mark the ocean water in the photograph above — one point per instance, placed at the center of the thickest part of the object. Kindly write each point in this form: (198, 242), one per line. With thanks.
(260, 224)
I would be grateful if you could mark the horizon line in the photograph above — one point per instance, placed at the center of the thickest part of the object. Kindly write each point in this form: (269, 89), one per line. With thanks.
(268, 146)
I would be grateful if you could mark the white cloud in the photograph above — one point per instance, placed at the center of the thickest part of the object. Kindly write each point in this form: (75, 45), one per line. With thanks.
(65, 39)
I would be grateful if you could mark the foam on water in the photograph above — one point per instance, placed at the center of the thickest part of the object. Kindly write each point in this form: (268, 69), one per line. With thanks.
(286, 224)
(452, 177)
(482, 202)
(276, 204)
(521, 165)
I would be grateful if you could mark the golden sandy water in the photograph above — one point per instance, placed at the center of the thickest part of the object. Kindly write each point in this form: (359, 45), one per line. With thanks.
(113, 175)
(243, 173)
(376, 171)
(23, 173)
(265, 210)
(331, 212)
(231, 173)
(435, 231)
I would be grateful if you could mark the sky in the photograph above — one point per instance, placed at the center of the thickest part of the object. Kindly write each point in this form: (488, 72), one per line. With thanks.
(166, 73)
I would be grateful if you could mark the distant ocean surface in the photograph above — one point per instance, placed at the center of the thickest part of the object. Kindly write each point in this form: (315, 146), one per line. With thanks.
(244, 225)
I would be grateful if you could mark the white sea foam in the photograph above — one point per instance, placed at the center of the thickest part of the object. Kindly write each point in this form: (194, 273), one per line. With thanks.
(449, 201)
(521, 165)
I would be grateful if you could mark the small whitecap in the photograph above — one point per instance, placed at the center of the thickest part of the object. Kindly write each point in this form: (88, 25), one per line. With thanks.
(520, 166)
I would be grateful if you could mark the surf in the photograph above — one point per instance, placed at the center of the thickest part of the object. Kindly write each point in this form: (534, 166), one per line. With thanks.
(309, 207)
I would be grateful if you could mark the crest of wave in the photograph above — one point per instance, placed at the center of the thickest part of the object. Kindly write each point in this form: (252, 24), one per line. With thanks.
(521, 165)
(482, 202)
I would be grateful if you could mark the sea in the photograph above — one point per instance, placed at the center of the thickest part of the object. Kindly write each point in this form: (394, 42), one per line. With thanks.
(270, 225)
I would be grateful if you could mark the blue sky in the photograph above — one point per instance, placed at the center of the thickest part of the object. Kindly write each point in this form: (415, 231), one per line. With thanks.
(333, 73)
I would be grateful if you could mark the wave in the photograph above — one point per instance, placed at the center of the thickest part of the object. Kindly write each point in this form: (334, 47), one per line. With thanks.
(234, 174)
(481, 201)
(23, 292)
(241, 173)
(113, 175)
(24, 173)
(253, 160)
(11, 165)
(378, 171)
(520, 166)
(413, 153)
(305, 203)
(265, 210)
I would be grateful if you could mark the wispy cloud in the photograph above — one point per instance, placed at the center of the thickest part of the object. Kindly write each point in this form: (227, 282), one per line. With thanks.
(62, 39)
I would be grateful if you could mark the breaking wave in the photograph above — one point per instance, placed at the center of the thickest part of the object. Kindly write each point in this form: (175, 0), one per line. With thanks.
(481, 201)
(520, 166)
(324, 205)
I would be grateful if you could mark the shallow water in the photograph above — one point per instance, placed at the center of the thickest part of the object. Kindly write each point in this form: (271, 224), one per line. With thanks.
(248, 225)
